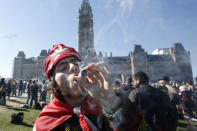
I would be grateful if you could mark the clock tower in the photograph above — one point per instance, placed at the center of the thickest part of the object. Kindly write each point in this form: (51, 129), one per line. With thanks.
(85, 32)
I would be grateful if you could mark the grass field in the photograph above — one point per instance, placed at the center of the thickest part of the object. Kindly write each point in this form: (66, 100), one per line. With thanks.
(184, 125)
(5, 117)
(13, 106)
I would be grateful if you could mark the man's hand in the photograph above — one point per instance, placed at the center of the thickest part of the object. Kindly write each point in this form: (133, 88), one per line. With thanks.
(171, 89)
(98, 84)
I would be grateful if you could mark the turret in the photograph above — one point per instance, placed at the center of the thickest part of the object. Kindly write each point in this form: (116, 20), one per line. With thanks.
(21, 54)
(44, 53)
(139, 60)
(18, 65)
(182, 60)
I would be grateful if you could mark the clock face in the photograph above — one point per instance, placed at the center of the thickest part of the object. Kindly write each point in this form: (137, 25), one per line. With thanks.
(85, 12)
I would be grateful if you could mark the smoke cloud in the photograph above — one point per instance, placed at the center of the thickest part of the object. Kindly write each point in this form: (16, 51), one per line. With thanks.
(8, 36)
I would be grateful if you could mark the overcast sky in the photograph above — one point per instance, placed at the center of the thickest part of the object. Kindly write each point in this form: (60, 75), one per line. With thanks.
(32, 25)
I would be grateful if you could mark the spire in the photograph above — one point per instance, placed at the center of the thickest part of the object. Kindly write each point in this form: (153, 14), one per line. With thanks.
(85, 4)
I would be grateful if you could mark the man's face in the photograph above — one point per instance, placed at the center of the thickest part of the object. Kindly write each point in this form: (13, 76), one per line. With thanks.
(65, 70)
(187, 84)
(136, 82)
(128, 82)
(162, 83)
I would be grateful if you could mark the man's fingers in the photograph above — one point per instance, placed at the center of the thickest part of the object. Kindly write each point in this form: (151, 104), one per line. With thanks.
(100, 67)
(99, 78)
(93, 80)
(95, 66)
(103, 64)
(91, 67)
(105, 73)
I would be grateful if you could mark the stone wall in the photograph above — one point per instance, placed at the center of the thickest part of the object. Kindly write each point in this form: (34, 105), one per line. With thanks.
(28, 71)
(176, 64)
(119, 65)
(17, 70)
(31, 68)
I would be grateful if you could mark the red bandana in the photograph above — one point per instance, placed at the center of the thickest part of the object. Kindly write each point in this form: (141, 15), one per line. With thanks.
(57, 53)
(57, 112)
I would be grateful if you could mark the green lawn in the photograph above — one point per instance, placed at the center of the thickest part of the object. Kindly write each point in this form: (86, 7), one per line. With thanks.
(5, 117)
(184, 125)
(13, 106)
(31, 114)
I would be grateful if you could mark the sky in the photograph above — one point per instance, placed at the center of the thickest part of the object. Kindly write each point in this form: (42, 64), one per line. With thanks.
(33, 25)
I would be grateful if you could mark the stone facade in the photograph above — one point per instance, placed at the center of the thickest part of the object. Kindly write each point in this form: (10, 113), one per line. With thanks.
(119, 65)
(29, 68)
(173, 62)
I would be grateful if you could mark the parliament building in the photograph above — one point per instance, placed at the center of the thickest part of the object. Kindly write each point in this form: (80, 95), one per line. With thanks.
(174, 62)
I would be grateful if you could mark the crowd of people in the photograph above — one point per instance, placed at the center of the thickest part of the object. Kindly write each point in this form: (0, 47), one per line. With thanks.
(13, 88)
(90, 100)
(182, 94)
